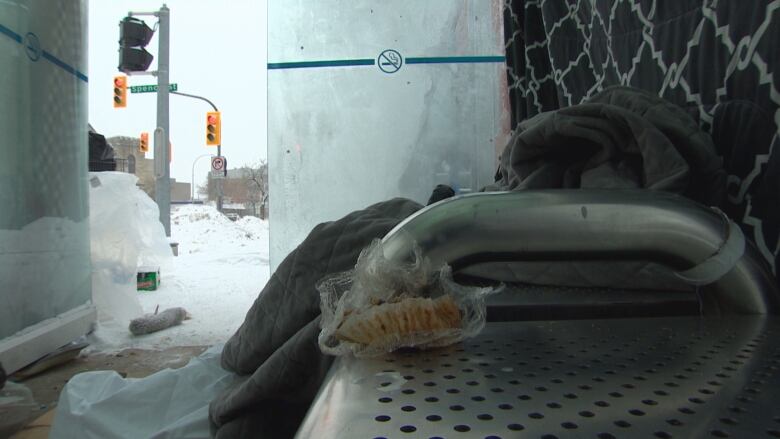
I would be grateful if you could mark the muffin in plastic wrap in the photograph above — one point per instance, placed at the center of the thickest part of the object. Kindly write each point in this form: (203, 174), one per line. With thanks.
(383, 305)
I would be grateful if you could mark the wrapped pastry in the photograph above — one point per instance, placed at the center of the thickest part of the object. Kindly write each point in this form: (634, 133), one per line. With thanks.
(383, 305)
(414, 315)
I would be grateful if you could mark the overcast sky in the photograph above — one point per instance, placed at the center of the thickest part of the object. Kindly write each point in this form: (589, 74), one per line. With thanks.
(218, 50)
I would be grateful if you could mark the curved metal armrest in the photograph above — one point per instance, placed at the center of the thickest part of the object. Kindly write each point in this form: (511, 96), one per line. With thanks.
(560, 225)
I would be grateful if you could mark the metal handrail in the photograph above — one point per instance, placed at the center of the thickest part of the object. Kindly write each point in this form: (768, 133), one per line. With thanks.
(556, 225)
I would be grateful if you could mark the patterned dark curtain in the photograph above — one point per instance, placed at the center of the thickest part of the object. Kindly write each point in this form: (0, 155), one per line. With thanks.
(719, 60)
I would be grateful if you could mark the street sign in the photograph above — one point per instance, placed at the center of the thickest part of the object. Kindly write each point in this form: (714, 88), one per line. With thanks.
(151, 88)
(218, 167)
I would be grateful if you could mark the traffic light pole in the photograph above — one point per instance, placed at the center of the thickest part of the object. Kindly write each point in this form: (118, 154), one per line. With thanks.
(219, 147)
(162, 166)
(162, 190)
(162, 132)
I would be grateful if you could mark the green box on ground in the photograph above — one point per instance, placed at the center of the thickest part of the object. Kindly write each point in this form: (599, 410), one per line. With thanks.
(148, 278)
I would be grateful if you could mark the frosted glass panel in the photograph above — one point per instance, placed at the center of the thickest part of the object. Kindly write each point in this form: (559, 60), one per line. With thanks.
(369, 100)
(44, 236)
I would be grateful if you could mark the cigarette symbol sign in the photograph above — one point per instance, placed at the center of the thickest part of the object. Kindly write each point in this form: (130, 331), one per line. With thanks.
(390, 61)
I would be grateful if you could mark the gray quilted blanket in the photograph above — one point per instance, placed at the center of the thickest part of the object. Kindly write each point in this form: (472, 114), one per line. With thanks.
(277, 343)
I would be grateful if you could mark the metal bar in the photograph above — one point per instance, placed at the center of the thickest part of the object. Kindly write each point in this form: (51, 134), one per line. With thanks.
(155, 13)
(163, 183)
(149, 73)
(610, 225)
(195, 97)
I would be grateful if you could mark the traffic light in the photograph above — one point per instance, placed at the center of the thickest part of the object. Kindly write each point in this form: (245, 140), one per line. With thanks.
(213, 128)
(120, 91)
(134, 35)
(144, 144)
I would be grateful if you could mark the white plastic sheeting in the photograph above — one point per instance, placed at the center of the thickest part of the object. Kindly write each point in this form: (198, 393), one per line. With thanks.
(168, 404)
(125, 233)
(348, 126)
(16, 402)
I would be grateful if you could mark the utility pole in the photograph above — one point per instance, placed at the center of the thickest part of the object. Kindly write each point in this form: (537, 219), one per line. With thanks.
(133, 60)
(220, 193)
(162, 190)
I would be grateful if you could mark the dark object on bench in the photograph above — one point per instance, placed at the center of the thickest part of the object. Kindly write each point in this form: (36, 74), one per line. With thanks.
(441, 192)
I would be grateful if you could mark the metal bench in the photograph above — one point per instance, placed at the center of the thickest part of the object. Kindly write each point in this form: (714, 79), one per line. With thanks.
(711, 373)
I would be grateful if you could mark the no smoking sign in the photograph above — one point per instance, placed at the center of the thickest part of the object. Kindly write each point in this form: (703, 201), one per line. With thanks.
(390, 61)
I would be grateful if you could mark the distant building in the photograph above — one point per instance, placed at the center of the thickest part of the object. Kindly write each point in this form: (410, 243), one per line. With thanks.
(244, 191)
(180, 191)
(131, 160)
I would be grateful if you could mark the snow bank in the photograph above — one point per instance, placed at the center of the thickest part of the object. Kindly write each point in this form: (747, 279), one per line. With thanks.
(202, 228)
(221, 268)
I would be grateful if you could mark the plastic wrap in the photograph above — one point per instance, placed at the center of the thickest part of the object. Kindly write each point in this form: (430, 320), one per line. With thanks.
(125, 232)
(383, 305)
(171, 403)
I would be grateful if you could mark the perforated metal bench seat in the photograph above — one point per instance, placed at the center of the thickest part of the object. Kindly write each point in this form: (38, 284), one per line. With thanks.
(679, 377)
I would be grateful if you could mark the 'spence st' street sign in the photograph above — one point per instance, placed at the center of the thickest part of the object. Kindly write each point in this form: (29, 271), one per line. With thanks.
(152, 88)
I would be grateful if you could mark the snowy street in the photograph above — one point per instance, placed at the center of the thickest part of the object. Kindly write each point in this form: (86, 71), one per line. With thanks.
(221, 268)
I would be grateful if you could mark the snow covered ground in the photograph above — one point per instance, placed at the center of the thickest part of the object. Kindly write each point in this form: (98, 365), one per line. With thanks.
(221, 268)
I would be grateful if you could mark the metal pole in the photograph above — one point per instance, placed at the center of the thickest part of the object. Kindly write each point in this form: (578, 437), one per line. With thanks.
(195, 97)
(220, 194)
(192, 196)
(163, 183)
